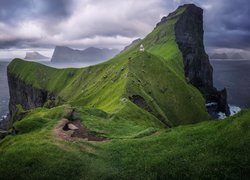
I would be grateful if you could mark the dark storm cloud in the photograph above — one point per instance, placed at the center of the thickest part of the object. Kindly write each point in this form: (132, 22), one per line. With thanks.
(83, 23)
(227, 24)
(24, 43)
(12, 11)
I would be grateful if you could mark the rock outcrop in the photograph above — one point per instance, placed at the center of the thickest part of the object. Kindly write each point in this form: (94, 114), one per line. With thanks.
(198, 70)
(27, 96)
(91, 54)
(34, 56)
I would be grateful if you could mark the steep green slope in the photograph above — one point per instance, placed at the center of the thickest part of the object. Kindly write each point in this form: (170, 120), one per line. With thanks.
(210, 150)
(156, 77)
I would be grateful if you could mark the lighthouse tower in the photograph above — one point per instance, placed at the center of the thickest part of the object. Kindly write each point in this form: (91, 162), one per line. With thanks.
(141, 48)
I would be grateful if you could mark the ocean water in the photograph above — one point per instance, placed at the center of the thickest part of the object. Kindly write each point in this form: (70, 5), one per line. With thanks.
(232, 74)
(4, 90)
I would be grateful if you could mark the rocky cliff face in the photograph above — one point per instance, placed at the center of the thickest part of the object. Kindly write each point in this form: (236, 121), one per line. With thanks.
(27, 96)
(189, 37)
(66, 54)
(198, 71)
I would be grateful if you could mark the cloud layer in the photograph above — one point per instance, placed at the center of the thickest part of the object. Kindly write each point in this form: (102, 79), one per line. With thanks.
(111, 23)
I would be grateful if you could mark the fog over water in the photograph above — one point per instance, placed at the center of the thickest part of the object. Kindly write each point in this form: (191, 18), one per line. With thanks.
(232, 74)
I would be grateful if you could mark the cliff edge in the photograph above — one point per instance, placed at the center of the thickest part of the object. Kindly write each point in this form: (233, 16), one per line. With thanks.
(197, 68)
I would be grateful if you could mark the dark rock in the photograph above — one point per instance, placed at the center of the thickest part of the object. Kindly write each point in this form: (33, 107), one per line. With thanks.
(189, 37)
(3, 134)
(140, 101)
(27, 96)
(197, 68)
(220, 98)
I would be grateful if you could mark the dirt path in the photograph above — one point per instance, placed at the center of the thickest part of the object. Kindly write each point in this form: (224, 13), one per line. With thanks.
(73, 130)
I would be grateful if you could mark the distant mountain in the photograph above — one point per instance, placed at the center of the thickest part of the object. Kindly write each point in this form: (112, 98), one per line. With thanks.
(34, 55)
(132, 44)
(219, 56)
(91, 54)
(236, 56)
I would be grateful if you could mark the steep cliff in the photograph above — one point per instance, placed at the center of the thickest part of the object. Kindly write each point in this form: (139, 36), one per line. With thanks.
(197, 69)
(26, 96)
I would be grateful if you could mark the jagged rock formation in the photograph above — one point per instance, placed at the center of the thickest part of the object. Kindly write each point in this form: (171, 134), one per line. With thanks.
(34, 55)
(189, 36)
(198, 70)
(91, 54)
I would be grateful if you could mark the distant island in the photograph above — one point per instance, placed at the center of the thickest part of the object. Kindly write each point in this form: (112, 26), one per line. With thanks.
(226, 56)
(237, 56)
(34, 55)
(91, 54)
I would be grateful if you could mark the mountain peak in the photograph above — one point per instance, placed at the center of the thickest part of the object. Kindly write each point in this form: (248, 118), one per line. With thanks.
(186, 8)
(192, 6)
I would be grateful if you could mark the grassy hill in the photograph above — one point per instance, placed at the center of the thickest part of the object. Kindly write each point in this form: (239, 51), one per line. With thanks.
(141, 104)
(213, 149)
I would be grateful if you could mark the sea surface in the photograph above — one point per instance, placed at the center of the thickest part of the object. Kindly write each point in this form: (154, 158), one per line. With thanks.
(232, 74)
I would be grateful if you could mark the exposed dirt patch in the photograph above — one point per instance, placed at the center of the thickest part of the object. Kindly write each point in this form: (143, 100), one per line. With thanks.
(73, 130)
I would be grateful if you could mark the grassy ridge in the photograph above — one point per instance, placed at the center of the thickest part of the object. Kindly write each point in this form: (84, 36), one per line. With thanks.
(192, 151)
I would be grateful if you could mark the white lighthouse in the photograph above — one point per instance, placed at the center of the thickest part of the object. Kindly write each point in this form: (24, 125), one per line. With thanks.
(141, 48)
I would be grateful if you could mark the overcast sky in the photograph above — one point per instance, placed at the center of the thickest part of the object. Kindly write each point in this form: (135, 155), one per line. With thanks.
(42, 24)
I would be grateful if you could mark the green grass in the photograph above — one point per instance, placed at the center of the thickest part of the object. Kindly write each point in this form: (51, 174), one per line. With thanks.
(139, 145)
(190, 151)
